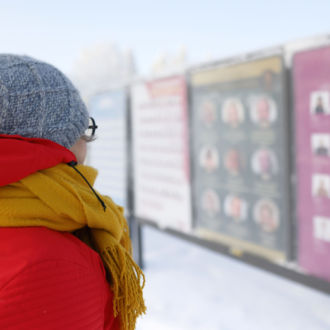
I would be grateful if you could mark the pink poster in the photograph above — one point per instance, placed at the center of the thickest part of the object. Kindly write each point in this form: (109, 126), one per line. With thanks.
(311, 78)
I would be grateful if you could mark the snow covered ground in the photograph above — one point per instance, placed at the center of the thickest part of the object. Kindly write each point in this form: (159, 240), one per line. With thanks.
(189, 287)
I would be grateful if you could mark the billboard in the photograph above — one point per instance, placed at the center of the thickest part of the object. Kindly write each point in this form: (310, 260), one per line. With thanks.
(311, 81)
(161, 152)
(240, 156)
(108, 153)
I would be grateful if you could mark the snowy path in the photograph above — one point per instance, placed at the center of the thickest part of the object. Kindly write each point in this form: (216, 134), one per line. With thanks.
(189, 287)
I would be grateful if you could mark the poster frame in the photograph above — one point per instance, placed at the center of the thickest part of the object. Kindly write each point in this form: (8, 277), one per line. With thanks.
(287, 168)
(292, 50)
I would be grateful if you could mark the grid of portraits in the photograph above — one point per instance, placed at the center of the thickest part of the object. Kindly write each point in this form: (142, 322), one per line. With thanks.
(262, 113)
(319, 104)
(238, 151)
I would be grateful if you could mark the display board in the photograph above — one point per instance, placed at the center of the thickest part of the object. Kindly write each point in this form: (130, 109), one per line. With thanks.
(240, 156)
(161, 152)
(311, 81)
(108, 153)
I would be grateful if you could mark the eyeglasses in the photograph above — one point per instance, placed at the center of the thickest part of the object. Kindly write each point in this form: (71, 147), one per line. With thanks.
(89, 134)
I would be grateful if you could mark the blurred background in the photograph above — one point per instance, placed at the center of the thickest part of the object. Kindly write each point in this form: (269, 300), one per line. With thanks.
(214, 133)
(118, 39)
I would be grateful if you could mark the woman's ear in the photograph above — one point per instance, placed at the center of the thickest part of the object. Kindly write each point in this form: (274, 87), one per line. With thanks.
(80, 150)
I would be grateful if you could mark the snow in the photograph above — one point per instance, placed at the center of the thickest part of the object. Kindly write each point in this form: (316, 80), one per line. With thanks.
(189, 287)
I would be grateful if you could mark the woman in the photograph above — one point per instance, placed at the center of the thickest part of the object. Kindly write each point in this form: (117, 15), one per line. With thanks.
(64, 250)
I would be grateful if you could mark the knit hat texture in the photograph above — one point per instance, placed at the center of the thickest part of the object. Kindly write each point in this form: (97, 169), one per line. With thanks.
(37, 100)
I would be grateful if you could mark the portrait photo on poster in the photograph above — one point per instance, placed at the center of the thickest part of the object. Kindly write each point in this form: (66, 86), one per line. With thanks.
(235, 208)
(263, 111)
(321, 185)
(320, 143)
(210, 202)
(209, 158)
(233, 161)
(208, 112)
(321, 228)
(264, 163)
(266, 215)
(267, 79)
(319, 103)
(232, 112)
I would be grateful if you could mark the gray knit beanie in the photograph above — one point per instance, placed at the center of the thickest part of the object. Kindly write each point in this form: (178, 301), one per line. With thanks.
(37, 100)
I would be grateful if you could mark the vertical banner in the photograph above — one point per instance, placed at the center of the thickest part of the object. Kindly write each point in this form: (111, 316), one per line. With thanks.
(161, 152)
(108, 153)
(240, 148)
(311, 79)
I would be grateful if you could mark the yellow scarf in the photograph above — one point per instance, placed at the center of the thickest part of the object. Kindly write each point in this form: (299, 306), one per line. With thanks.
(59, 199)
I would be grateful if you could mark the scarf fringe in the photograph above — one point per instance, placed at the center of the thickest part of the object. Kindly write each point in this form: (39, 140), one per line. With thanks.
(127, 282)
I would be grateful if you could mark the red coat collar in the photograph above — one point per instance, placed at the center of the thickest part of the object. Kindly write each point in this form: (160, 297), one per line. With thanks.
(20, 156)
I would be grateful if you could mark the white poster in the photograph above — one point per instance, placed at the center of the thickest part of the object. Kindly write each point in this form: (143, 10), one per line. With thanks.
(161, 153)
(108, 153)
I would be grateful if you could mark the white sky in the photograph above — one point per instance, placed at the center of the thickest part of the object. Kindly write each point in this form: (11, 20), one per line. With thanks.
(56, 31)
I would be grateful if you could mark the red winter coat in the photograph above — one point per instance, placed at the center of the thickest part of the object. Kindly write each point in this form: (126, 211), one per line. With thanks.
(48, 279)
